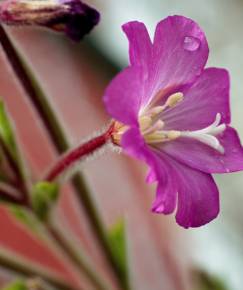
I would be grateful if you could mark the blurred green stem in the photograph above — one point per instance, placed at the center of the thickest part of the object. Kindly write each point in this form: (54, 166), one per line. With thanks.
(75, 256)
(36, 94)
(28, 269)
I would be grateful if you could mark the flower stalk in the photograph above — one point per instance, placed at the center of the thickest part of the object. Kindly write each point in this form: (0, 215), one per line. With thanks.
(77, 154)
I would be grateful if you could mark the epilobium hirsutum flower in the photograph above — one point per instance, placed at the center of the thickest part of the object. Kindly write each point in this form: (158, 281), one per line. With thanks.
(72, 17)
(174, 114)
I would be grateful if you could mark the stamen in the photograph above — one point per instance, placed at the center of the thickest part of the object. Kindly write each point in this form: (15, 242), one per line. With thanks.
(174, 99)
(155, 127)
(145, 122)
(155, 137)
(172, 134)
(155, 111)
(162, 136)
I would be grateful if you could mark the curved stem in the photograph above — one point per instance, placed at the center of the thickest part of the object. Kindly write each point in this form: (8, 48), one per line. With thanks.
(56, 133)
(28, 269)
(78, 154)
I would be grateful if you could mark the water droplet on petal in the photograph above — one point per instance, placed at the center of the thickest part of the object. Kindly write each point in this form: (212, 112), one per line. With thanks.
(191, 43)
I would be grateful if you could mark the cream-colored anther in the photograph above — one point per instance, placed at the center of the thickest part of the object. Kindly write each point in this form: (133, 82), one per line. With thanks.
(145, 122)
(158, 125)
(155, 111)
(172, 135)
(155, 137)
(174, 99)
(161, 136)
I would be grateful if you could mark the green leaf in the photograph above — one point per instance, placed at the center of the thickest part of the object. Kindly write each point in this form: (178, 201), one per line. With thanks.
(117, 239)
(7, 132)
(209, 282)
(25, 217)
(8, 140)
(16, 285)
(44, 196)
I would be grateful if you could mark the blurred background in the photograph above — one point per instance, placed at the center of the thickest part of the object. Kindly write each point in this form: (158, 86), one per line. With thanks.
(162, 255)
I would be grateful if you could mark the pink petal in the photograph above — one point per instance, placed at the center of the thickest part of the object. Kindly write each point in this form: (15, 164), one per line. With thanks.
(202, 157)
(122, 96)
(208, 96)
(140, 45)
(198, 196)
(134, 145)
(140, 52)
(180, 53)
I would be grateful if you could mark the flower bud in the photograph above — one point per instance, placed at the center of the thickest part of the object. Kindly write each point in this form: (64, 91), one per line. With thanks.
(73, 17)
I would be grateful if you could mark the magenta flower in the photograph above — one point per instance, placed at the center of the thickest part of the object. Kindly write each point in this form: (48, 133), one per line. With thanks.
(174, 114)
(72, 17)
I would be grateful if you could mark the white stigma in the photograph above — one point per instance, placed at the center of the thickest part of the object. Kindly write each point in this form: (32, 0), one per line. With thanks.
(207, 135)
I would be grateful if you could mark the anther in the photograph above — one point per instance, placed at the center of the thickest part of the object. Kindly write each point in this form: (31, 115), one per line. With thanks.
(155, 111)
(174, 99)
(172, 134)
(145, 122)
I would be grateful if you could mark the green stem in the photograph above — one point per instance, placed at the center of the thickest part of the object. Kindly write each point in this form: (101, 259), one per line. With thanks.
(75, 256)
(36, 94)
(28, 269)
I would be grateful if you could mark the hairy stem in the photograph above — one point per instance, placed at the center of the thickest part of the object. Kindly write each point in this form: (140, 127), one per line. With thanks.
(78, 154)
(56, 133)
(29, 270)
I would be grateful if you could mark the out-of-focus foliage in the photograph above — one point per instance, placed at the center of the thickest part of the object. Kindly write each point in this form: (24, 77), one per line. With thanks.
(16, 285)
(117, 239)
(6, 132)
(205, 281)
(25, 217)
(44, 195)
(8, 142)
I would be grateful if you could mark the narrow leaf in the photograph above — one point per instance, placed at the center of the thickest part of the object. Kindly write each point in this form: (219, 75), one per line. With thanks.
(7, 132)
(25, 217)
(117, 239)
(9, 144)
(16, 285)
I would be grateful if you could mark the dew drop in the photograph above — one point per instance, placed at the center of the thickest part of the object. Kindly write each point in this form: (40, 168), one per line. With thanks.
(191, 43)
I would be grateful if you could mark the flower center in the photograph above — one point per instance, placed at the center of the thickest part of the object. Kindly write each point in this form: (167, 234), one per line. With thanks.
(153, 128)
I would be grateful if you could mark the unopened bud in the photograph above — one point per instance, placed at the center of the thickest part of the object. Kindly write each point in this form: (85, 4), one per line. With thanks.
(72, 17)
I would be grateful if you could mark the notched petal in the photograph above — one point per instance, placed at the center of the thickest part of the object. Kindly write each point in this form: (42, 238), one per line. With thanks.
(140, 45)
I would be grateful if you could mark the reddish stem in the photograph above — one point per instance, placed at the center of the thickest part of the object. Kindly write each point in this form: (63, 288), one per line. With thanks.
(78, 153)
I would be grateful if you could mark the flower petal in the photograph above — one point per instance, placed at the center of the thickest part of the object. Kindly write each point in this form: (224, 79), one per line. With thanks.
(140, 45)
(134, 145)
(202, 157)
(180, 52)
(208, 96)
(122, 96)
(198, 196)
